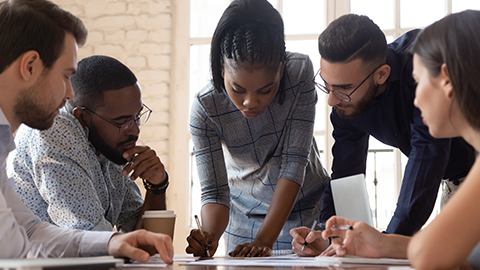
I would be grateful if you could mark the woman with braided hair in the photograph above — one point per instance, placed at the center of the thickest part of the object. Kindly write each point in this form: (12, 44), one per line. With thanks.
(252, 130)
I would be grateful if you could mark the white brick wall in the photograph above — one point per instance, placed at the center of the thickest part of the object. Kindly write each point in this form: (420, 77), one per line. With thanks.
(138, 33)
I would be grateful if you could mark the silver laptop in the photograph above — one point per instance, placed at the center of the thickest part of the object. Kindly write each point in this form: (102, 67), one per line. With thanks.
(97, 263)
(351, 198)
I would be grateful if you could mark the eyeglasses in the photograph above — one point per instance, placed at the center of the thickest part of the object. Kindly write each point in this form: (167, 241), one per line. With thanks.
(338, 94)
(140, 120)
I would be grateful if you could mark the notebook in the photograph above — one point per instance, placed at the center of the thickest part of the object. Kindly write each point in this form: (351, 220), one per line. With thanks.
(351, 198)
(94, 263)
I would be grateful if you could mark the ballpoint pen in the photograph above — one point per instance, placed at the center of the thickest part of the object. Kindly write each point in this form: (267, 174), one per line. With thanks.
(322, 227)
(132, 161)
(313, 228)
(203, 235)
(335, 227)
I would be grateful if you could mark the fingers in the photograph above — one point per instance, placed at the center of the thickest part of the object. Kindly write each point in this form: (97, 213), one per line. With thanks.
(135, 254)
(236, 251)
(299, 233)
(251, 250)
(311, 238)
(165, 250)
(126, 245)
(349, 235)
(266, 252)
(338, 246)
(161, 242)
(330, 251)
(334, 220)
(146, 164)
(197, 244)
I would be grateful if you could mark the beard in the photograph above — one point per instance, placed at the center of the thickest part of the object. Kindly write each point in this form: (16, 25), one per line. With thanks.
(361, 105)
(109, 152)
(31, 112)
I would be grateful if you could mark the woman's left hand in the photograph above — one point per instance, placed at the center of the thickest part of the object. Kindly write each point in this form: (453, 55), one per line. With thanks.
(253, 249)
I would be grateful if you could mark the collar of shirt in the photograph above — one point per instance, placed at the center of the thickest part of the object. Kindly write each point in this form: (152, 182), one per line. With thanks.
(3, 119)
(6, 138)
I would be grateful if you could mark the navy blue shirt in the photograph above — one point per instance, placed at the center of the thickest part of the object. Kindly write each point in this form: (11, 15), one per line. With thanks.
(394, 120)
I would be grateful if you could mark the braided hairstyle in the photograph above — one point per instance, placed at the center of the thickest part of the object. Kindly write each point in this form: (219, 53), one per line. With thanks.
(250, 32)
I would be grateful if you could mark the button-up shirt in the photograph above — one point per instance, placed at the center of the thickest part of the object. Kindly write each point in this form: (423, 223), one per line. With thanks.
(393, 119)
(60, 178)
(22, 232)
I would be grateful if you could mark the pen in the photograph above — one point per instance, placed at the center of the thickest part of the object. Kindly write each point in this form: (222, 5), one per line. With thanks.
(313, 228)
(342, 227)
(132, 161)
(336, 227)
(201, 232)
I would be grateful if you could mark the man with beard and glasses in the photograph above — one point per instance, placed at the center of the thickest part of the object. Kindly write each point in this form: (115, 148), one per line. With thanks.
(75, 174)
(38, 55)
(370, 86)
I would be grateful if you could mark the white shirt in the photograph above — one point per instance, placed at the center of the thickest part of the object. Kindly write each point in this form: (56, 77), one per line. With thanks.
(22, 232)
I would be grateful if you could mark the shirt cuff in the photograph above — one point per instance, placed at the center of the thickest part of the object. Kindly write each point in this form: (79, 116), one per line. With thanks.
(95, 243)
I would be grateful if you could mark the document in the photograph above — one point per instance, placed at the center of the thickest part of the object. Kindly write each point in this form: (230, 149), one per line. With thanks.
(262, 261)
(155, 261)
(348, 260)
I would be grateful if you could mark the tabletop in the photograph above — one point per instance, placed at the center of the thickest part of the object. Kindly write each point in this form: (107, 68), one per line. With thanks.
(185, 266)
(285, 262)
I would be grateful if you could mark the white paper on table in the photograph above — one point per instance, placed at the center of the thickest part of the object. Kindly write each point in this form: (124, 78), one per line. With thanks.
(155, 261)
(262, 261)
(348, 260)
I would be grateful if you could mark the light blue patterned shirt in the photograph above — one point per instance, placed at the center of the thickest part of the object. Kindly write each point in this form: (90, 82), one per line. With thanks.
(21, 232)
(60, 178)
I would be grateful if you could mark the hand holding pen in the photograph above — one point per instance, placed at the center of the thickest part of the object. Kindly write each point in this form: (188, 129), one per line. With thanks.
(359, 239)
(207, 246)
(322, 227)
(311, 230)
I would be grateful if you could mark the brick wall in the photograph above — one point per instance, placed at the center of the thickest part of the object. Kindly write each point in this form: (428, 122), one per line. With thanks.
(139, 34)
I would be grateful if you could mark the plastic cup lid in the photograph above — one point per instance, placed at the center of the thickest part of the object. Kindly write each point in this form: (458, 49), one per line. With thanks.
(159, 213)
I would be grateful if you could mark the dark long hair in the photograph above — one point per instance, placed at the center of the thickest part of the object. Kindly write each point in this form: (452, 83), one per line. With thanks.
(249, 32)
(454, 41)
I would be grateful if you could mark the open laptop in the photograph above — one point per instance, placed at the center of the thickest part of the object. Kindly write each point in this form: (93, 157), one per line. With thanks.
(351, 198)
(94, 263)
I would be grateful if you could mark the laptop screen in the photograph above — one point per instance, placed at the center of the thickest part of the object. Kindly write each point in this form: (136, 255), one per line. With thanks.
(350, 198)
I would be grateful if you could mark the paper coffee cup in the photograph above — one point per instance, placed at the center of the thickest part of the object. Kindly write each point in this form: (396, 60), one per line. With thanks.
(159, 221)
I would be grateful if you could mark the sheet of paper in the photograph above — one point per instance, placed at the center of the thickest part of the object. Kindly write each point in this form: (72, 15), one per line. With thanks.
(347, 260)
(155, 261)
(263, 261)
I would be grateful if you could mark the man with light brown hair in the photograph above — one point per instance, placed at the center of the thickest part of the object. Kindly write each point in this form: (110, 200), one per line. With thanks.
(38, 55)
